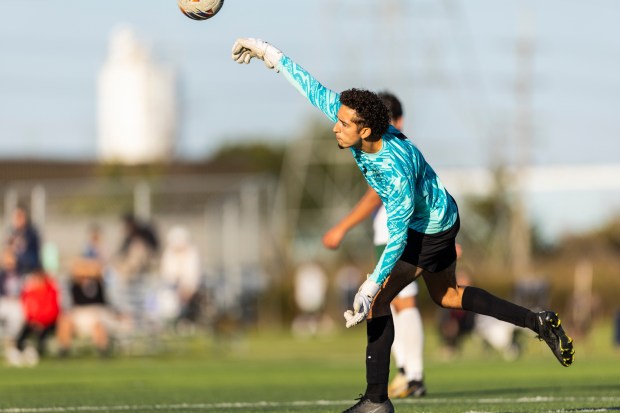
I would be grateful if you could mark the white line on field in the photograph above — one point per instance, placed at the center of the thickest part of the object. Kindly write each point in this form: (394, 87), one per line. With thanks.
(301, 403)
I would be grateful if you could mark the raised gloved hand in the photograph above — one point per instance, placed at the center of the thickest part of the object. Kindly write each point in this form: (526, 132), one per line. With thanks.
(361, 303)
(245, 49)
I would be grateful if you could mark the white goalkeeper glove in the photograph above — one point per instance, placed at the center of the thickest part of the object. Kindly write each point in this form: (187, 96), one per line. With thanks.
(245, 49)
(361, 303)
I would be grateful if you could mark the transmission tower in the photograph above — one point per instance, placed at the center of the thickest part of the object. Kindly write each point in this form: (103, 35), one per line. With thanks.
(521, 259)
(318, 185)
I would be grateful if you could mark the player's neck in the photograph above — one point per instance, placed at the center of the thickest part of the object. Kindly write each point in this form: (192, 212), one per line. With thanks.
(372, 145)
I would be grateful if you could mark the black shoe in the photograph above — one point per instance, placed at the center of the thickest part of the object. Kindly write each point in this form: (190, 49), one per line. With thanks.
(366, 406)
(550, 331)
(411, 389)
(415, 389)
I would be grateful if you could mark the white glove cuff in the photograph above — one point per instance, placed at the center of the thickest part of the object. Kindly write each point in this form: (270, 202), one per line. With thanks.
(272, 56)
(370, 288)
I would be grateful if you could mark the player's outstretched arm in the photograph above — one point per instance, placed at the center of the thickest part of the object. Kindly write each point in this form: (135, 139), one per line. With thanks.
(328, 101)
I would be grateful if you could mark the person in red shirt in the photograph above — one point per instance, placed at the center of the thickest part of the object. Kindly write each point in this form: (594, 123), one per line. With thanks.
(41, 304)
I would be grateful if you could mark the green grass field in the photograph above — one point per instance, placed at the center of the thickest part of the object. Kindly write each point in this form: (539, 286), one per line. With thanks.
(274, 372)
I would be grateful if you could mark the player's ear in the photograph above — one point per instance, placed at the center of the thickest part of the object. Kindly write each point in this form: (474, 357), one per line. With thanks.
(365, 132)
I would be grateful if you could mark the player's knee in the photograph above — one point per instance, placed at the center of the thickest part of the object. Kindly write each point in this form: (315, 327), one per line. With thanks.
(447, 299)
(401, 303)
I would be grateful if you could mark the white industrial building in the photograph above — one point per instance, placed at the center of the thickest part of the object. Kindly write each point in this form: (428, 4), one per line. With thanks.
(136, 104)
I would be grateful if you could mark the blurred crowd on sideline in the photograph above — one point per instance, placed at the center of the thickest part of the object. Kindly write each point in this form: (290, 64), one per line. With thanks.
(146, 287)
(103, 296)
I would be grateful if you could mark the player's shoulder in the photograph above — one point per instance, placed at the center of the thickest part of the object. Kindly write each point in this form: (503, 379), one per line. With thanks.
(399, 141)
(396, 135)
(393, 132)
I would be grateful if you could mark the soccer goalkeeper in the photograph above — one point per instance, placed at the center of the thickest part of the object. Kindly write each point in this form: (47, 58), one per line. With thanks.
(423, 222)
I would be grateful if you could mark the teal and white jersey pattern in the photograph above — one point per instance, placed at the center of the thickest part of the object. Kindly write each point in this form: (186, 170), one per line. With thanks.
(413, 195)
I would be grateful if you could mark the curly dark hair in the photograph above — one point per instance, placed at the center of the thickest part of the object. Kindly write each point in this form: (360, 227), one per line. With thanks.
(370, 109)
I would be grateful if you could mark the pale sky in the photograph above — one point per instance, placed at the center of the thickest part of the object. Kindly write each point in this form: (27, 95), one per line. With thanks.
(453, 63)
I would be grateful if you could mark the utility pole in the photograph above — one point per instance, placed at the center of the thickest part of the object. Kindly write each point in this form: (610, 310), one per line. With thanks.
(520, 237)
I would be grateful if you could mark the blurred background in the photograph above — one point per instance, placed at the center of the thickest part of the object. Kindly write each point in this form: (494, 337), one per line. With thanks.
(169, 189)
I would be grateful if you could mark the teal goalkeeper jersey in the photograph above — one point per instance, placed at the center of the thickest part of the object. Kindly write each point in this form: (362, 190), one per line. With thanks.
(411, 191)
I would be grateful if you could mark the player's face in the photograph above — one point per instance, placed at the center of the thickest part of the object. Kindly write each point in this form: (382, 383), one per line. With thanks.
(348, 133)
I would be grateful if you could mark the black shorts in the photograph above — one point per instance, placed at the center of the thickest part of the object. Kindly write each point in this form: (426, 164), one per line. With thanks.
(432, 252)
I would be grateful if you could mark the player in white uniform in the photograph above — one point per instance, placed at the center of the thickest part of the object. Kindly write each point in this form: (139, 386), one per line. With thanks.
(409, 334)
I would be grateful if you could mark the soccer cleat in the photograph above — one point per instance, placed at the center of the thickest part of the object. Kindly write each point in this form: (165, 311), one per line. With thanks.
(13, 357)
(364, 405)
(30, 357)
(413, 389)
(398, 385)
(551, 332)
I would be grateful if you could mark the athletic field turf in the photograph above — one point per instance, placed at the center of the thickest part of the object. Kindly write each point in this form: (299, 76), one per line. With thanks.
(273, 372)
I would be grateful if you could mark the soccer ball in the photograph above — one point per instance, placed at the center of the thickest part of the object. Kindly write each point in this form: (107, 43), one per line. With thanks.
(200, 9)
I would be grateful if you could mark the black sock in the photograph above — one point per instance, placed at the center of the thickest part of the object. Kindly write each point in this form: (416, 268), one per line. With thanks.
(479, 301)
(23, 336)
(530, 322)
(380, 336)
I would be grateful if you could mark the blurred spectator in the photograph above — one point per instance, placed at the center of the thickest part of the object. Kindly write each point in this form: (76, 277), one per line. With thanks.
(132, 281)
(11, 313)
(138, 248)
(137, 232)
(21, 256)
(532, 293)
(41, 304)
(180, 276)
(310, 294)
(348, 281)
(89, 315)
(94, 248)
(24, 241)
(584, 302)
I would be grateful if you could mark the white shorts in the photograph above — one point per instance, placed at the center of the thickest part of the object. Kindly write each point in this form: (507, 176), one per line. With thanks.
(85, 318)
(411, 290)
